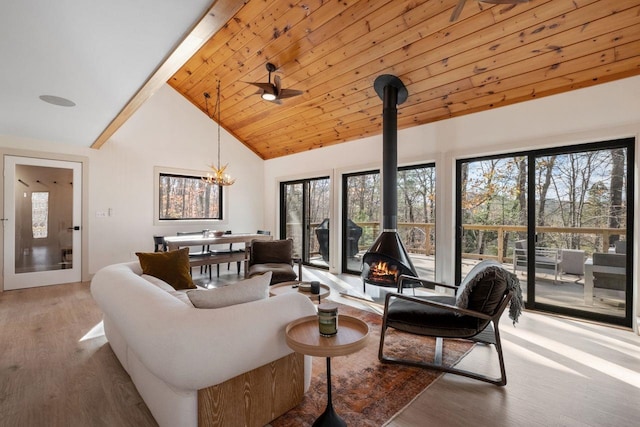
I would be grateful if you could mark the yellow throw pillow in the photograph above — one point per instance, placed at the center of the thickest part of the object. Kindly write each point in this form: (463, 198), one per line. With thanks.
(172, 267)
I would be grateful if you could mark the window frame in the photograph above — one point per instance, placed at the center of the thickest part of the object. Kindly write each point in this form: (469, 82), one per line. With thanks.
(160, 170)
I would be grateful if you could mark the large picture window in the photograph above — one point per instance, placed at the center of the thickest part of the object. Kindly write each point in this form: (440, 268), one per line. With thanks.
(187, 197)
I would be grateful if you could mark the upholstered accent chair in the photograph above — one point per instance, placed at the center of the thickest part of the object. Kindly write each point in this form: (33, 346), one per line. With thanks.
(473, 313)
(275, 256)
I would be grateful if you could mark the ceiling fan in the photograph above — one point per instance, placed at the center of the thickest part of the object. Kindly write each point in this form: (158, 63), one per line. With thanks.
(274, 92)
(458, 10)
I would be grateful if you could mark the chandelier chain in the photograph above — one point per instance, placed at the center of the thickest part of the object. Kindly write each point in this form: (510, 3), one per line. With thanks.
(218, 177)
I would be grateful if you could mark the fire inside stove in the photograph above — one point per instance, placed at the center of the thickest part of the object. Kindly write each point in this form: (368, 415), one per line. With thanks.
(384, 273)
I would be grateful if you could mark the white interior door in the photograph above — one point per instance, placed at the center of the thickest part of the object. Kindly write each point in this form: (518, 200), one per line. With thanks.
(42, 222)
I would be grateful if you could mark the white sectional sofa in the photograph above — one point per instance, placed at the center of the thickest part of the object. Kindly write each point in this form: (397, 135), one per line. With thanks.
(177, 354)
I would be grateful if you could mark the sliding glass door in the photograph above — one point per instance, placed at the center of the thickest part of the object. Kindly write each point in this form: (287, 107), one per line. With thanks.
(571, 248)
(305, 209)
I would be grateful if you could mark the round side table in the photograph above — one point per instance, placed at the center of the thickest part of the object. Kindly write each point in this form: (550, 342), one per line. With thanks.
(303, 336)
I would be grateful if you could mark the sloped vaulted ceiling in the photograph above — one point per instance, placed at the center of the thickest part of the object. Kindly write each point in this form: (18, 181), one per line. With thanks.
(333, 50)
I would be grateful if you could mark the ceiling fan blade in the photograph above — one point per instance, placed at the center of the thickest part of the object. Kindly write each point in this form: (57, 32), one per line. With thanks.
(288, 93)
(457, 11)
(278, 84)
(264, 86)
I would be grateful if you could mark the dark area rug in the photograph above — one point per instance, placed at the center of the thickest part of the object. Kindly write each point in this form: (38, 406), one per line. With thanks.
(367, 392)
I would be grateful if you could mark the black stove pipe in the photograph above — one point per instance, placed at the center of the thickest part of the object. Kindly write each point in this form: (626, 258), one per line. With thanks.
(389, 159)
(392, 92)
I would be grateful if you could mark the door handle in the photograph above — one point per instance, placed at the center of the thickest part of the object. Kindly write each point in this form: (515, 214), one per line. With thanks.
(77, 227)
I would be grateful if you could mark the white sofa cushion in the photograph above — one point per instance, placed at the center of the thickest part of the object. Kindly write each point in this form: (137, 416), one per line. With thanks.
(158, 282)
(253, 289)
(181, 294)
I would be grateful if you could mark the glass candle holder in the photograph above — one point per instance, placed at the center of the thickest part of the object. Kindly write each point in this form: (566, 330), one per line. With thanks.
(328, 319)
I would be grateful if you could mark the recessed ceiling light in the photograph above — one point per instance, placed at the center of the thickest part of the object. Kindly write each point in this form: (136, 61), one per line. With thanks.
(57, 100)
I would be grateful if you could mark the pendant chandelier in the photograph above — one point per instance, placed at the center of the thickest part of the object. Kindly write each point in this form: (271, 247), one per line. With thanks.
(218, 177)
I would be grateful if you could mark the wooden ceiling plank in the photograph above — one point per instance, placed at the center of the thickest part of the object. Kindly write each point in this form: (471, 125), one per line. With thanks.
(263, 42)
(376, 66)
(335, 83)
(518, 56)
(378, 20)
(554, 19)
(605, 24)
(406, 120)
(307, 29)
(584, 78)
(244, 25)
(236, 93)
(536, 76)
(555, 60)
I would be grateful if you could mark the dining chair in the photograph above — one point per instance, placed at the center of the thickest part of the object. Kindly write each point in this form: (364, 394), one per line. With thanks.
(204, 252)
(159, 244)
(224, 251)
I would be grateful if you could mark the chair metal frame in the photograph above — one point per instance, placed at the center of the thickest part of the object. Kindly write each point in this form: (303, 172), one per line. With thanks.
(482, 335)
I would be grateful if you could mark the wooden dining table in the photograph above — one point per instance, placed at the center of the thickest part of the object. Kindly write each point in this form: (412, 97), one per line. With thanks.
(176, 242)
(222, 257)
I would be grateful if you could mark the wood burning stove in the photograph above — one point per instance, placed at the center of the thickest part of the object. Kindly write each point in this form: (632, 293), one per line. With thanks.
(387, 258)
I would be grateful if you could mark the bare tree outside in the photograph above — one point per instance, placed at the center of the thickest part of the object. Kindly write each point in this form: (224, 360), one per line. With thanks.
(188, 197)
(574, 190)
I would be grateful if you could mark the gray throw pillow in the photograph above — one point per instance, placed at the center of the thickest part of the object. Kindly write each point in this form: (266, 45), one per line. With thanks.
(248, 290)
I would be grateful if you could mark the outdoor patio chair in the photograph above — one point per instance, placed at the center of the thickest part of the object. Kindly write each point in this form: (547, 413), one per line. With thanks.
(547, 259)
(613, 276)
(473, 314)
(573, 262)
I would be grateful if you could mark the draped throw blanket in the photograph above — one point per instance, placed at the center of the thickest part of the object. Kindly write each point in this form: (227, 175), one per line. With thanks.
(490, 268)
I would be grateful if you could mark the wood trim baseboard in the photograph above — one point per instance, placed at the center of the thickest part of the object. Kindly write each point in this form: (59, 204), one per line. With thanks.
(256, 397)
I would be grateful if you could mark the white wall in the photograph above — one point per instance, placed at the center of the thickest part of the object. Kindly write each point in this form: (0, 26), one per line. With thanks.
(601, 112)
(166, 131)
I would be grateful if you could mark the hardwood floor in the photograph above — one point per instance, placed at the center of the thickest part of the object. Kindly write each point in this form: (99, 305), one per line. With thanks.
(56, 369)
(52, 373)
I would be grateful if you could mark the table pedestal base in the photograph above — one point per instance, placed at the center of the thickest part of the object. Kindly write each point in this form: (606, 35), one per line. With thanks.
(329, 417)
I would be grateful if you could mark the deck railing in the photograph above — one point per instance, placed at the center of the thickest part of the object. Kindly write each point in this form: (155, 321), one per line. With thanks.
(419, 237)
